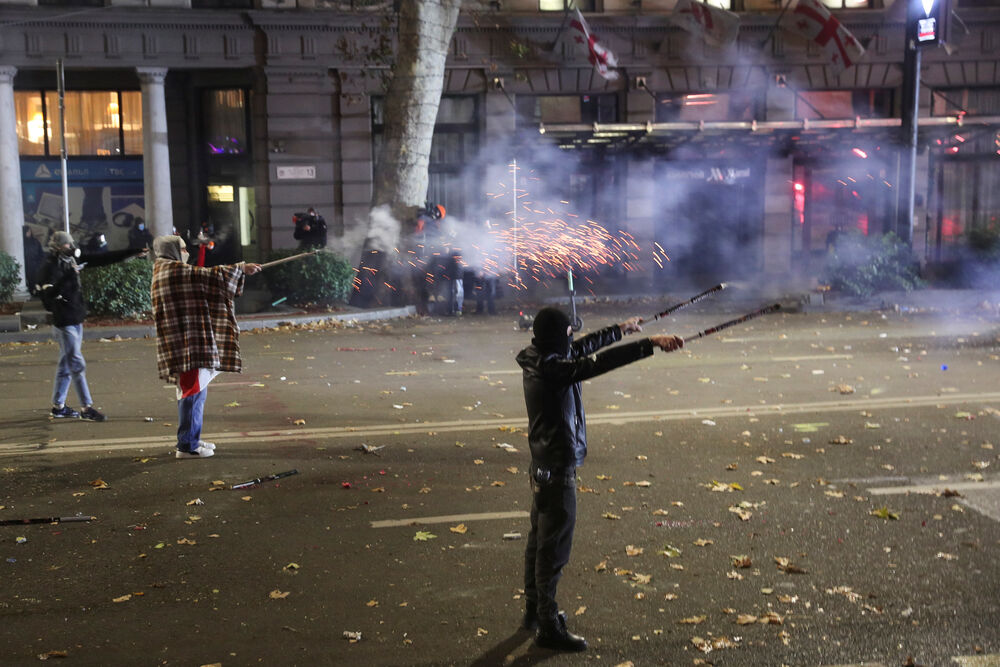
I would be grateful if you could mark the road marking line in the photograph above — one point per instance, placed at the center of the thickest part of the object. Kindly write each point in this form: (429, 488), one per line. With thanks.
(992, 660)
(934, 488)
(448, 518)
(422, 428)
(814, 357)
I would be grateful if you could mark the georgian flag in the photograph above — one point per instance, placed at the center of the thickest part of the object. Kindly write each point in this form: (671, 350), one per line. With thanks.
(601, 58)
(814, 21)
(716, 26)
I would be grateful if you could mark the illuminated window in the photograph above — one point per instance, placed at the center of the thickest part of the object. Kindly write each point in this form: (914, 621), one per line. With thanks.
(220, 193)
(226, 121)
(98, 123)
(92, 122)
(30, 123)
(562, 5)
(131, 122)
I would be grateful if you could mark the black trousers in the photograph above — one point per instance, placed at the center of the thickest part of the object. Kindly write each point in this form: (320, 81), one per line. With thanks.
(553, 518)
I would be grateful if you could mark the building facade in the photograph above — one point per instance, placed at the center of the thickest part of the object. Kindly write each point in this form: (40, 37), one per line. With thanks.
(740, 162)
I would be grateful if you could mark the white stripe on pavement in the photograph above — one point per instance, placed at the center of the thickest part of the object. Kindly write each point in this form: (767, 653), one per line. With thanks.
(390, 430)
(448, 518)
(935, 488)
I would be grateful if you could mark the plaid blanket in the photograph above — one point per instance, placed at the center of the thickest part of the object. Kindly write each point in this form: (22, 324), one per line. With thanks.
(195, 321)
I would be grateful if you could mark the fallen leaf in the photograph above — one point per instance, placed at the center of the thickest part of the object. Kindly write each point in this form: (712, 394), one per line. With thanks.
(423, 536)
(633, 550)
(692, 620)
(944, 556)
(123, 598)
(234, 404)
(771, 618)
(741, 561)
(371, 603)
(703, 542)
(743, 514)
(299, 422)
(746, 619)
(885, 513)
(609, 515)
(580, 611)
(99, 484)
(460, 529)
(278, 595)
(670, 551)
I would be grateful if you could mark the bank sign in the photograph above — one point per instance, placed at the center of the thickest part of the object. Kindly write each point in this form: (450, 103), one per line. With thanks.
(81, 170)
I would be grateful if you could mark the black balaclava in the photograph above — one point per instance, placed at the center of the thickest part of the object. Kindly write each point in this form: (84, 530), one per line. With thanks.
(549, 328)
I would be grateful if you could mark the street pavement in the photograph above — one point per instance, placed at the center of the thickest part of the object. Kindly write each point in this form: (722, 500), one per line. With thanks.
(804, 489)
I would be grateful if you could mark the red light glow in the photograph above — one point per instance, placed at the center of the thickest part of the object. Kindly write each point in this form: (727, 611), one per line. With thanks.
(860, 153)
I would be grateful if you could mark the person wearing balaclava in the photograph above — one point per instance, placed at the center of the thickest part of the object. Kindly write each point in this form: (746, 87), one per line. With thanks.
(58, 286)
(197, 335)
(553, 367)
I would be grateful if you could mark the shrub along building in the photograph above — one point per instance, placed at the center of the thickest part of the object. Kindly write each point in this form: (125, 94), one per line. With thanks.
(745, 159)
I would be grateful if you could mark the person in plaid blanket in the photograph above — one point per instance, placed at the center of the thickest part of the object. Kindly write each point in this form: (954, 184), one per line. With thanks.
(197, 336)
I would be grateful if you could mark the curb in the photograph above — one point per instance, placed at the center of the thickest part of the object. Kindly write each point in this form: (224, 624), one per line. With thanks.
(246, 324)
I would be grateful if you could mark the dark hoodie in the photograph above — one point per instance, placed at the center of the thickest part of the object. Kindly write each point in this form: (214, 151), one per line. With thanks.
(553, 367)
(59, 278)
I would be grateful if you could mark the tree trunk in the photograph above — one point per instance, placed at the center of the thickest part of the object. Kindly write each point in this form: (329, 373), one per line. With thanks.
(411, 106)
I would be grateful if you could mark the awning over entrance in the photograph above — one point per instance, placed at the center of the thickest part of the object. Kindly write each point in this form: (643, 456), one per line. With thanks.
(667, 136)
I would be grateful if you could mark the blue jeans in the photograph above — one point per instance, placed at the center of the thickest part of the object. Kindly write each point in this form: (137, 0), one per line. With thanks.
(71, 365)
(190, 410)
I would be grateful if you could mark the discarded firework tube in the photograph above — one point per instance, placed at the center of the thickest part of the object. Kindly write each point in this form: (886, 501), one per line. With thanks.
(268, 478)
(731, 323)
(50, 519)
(695, 298)
(288, 259)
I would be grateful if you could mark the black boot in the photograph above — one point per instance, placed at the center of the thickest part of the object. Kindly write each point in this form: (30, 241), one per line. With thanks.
(530, 620)
(552, 634)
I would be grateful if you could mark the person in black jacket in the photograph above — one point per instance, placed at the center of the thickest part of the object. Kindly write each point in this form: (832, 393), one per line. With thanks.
(310, 230)
(553, 367)
(58, 285)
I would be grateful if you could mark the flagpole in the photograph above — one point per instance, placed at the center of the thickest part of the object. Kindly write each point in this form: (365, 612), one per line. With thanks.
(562, 28)
(771, 32)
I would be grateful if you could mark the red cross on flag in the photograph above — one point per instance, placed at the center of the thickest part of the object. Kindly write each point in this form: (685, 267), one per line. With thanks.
(600, 57)
(815, 22)
(716, 26)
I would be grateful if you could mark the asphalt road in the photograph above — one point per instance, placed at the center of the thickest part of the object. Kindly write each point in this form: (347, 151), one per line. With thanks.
(805, 424)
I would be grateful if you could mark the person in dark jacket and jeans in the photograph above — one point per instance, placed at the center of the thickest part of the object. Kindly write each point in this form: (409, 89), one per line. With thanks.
(553, 367)
(58, 282)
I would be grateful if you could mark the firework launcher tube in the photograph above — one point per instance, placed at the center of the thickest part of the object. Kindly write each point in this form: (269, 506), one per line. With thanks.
(731, 323)
(51, 519)
(269, 478)
(694, 299)
(288, 259)
(569, 276)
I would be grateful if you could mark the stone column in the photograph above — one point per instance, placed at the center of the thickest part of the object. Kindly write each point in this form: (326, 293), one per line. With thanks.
(155, 152)
(11, 204)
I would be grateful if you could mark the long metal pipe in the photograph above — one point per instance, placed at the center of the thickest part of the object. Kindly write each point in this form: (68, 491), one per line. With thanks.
(60, 75)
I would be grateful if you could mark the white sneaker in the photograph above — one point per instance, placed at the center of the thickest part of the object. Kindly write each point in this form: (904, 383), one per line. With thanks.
(200, 453)
(206, 445)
